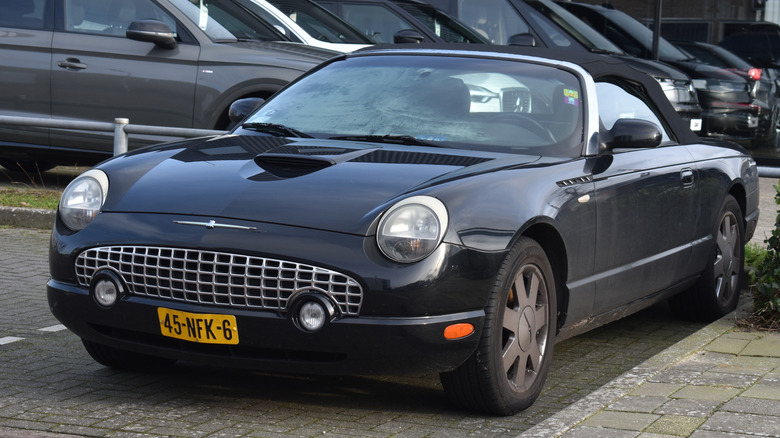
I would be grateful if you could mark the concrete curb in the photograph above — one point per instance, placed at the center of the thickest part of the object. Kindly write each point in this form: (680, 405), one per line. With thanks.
(27, 217)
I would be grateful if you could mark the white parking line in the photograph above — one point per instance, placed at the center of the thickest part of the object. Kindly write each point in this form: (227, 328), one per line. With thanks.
(54, 328)
(9, 339)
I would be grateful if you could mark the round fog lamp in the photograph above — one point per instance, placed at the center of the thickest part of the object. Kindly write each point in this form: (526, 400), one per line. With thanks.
(106, 288)
(312, 316)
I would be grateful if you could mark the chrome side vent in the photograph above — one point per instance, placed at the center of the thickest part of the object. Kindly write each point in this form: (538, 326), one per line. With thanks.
(575, 181)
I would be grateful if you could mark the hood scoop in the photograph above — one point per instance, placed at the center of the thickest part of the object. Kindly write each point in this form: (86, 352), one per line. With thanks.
(292, 161)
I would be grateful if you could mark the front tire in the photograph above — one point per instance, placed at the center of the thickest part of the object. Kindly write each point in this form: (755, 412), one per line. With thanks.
(508, 370)
(717, 292)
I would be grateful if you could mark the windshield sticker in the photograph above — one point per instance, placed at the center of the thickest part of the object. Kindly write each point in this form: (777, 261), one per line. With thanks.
(571, 97)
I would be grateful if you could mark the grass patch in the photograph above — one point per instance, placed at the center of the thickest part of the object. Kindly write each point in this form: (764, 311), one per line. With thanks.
(29, 198)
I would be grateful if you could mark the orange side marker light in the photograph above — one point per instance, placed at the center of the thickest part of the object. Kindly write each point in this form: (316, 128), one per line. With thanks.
(458, 331)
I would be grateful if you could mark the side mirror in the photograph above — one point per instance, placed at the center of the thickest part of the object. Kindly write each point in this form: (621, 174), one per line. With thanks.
(240, 109)
(408, 36)
(521, 39)
(152, 31)
(631, 134)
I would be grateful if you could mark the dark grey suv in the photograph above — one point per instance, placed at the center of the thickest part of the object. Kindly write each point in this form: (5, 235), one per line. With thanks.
(177, 63)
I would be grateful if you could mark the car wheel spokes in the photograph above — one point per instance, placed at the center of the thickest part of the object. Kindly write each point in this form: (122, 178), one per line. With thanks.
(525, 327)
(727, 260)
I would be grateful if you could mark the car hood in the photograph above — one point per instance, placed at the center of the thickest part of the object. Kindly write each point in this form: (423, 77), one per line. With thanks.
(321, 184)
(656, 69)
(698, 70)
(272, 53)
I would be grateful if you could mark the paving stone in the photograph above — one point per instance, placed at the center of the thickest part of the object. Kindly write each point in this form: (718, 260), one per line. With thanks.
(768, 345)
(599, 432)
(748, 365)
(749, 405)
(706, 393)
(761, 390)
(725, 379)
(727, 345)
(678, 425)
(621, 420)
(689, 407)
(656, 389)
(646, 404)
(762, 425)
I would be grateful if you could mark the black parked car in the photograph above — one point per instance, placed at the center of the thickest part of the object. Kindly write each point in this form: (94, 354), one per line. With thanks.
(763, 81)
(452, 208)
(402, 21)
(730, 110)
(543, 23)
(757, 43)
(175, 63)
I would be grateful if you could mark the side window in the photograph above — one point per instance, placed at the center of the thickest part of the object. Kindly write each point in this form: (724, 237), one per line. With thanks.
(111, 17)
(616, 103)
(23, 14)
(495, 20)
(377, 22)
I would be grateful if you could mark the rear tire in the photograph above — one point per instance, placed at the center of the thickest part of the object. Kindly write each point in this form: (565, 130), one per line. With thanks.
(508, 370)
(123, 359)
(717, 292)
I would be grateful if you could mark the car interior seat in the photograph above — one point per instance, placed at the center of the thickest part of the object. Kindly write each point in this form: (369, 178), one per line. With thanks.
(15, 14)
(448, 97)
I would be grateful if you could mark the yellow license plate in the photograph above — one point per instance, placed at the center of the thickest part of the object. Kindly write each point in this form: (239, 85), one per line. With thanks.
(198, 327)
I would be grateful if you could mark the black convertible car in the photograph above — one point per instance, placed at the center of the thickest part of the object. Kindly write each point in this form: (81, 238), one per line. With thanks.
(444, 209)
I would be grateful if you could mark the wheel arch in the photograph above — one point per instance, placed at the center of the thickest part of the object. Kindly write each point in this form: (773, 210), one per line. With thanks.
(738, 192)
(554, 247)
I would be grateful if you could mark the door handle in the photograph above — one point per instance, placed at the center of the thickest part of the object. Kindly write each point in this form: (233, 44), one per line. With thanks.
(72, 64)
(686, 175)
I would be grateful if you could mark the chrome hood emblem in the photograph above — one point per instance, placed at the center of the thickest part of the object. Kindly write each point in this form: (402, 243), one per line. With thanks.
(213, 224)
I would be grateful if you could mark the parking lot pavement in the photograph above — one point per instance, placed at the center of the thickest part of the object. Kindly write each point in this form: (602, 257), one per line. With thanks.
(49, 385)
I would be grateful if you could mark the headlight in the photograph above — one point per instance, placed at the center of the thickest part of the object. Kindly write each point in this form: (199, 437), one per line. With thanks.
(720, 86)
(411, 229)
(83, 198)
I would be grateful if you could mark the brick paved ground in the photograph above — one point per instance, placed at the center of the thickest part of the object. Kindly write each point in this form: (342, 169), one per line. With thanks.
(49, 384)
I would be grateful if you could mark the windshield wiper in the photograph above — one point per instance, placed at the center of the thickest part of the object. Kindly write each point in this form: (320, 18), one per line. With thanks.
(275, 129)
(394, 139)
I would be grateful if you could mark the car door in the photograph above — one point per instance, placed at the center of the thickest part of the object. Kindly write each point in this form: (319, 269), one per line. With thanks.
(646, 210)
(98, 74)
(25, 50)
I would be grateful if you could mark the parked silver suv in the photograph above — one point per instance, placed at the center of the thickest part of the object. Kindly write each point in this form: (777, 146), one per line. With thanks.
(177, 63)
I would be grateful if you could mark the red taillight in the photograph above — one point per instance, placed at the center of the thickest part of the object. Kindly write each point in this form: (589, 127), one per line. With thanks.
(755, 74)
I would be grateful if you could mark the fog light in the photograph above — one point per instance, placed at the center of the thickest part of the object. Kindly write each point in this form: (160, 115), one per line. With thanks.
(106, 288)
(312, 316)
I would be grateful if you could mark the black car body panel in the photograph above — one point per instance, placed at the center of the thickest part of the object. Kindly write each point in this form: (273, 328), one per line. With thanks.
(253, 226)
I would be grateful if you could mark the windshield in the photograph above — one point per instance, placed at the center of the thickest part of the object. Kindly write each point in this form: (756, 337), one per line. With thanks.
(644, 36)
(468, 103)
(441, 24)
(576, 28)
(227, 20)
(319, 22)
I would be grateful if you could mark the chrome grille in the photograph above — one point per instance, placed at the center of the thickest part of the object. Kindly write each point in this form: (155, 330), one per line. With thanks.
(217, 278)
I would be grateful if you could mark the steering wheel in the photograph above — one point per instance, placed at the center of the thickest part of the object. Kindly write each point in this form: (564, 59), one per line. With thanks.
(524, 122)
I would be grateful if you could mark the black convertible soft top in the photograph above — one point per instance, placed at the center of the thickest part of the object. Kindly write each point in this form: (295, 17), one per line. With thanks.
(597, 65)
